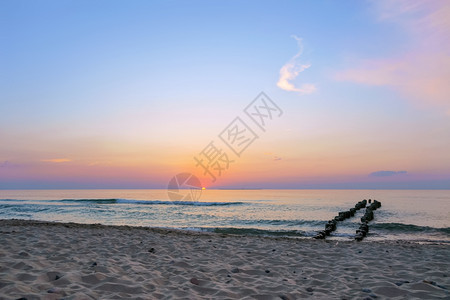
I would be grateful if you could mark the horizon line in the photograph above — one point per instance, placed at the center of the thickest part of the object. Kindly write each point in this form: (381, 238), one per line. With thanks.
(225, 189)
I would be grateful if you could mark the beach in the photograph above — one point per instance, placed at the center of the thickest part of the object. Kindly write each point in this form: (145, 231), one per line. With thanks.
(46, 260)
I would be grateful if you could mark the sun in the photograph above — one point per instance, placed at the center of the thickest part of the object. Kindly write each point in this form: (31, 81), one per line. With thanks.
(203, 188)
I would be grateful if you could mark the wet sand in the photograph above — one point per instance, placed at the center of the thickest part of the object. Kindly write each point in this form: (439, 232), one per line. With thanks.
(42, 260)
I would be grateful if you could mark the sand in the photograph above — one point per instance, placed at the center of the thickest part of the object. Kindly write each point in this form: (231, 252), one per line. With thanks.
(41, 260)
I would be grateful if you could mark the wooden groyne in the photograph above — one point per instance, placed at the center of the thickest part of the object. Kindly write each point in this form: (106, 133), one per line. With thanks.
(368, 216)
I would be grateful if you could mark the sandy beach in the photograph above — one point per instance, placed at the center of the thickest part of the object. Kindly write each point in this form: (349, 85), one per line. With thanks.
(41, 260)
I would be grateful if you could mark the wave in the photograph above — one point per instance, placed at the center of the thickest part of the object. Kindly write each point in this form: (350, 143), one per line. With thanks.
(12, 200)
(96, 201)
(288, 223)
(251, 231)
(151, 202)
(318, 224)
(127, 201)
(405, 228)
(391, 227)
(264, 232)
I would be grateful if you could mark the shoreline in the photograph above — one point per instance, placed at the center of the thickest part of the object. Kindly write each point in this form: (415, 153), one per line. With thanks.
(51, 260)
(193, 231)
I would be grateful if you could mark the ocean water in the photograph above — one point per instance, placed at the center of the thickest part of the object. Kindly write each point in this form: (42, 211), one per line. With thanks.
(416, 215)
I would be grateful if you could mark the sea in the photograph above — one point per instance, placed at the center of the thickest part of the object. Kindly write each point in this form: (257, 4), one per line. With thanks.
(412, 215)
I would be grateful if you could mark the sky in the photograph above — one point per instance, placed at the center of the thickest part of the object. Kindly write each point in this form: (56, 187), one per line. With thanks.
(128, 94)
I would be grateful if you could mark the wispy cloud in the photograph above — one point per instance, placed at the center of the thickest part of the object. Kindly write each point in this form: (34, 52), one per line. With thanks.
(273, 156)
(9, 165)
(6, 164)
(386, 173)
(291, 70)
(422, 74)
(56, 160)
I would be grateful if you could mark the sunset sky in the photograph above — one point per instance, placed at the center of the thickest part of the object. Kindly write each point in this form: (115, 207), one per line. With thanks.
(124, 94)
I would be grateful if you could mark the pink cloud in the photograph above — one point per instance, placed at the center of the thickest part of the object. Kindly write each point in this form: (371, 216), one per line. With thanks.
(418, 77)
(422, 74)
